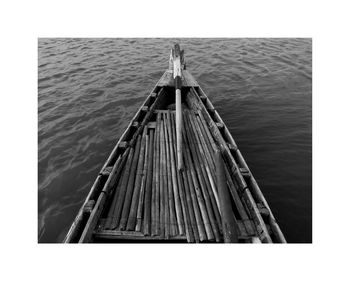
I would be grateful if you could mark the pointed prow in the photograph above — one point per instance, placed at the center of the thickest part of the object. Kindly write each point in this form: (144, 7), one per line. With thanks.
(177, 63)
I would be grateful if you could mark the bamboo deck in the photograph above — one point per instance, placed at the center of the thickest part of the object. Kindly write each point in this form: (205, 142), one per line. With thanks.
(153, 198)
(141, 195)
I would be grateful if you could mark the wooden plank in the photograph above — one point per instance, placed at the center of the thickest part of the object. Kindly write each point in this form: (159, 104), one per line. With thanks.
(189, 81)
(229, 222)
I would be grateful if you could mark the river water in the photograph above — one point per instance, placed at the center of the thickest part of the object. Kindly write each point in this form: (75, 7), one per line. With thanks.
(89, 89)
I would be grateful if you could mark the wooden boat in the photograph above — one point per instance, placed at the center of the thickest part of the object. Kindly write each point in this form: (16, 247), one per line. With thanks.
(175, 175)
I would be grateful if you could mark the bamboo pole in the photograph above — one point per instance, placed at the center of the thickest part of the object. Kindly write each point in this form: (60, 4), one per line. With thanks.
(161, 183)
(110, 219)
(195, 215)
(178, 210)
(154, 218)
(179, 128)
(193, 180)
(116, 211)
(185, 198)
(177, 59)
(165, 186)
(198, 169)
(142, 189)
(157, 206)
(171, 199)
(131, 222)
(229, 223)
(147, 204)
(204, 170)
(130, 187)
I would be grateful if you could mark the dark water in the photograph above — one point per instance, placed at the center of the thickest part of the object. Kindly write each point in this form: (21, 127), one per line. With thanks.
(89, 89)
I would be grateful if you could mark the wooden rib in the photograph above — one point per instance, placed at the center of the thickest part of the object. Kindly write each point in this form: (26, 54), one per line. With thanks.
(135, 197)
(116, 211)
(147, 205)
(198, 169)
(142, 189)
(171, 200)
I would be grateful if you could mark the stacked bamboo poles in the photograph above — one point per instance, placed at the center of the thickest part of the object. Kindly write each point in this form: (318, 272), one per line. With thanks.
(155, 198)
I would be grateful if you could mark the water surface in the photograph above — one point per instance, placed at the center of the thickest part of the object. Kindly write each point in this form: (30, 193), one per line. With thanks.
(89, 89)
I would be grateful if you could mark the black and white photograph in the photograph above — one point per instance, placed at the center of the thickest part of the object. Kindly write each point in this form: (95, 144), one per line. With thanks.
(183, 140)
(136, 145)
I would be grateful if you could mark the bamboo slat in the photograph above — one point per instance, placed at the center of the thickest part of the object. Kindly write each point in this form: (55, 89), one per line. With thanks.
(200, 184)
(130, 187)
(193, 183)
(147, 203)
(157, 206)
(155, 181)
(165, 186)
(142, 189)
(135, 197)
(203, 168)
(115, 211)
(161, 183)
(189, 218)
(178, 210)
(195, 215)
(195, 103)
(172, 213)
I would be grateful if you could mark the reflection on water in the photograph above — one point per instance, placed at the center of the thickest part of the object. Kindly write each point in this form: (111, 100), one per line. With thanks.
(89, 89)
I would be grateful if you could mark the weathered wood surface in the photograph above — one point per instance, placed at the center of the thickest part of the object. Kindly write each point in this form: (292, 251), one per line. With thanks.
(168, 80)
(229, 222)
